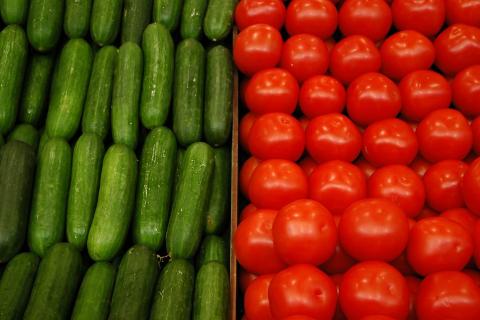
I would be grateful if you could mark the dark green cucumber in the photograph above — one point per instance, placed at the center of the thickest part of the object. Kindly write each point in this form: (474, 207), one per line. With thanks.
(77, 18)
(136, 16)
(2, 142)
(219, 19)
(42, 141)
(56, 284)
(96, 116)
(192, 18)
(211, 292)
(17, 168)
(127, 85)
(213, 248)
(174, 291)
(105, 21)
(13, 61)
(25, 133)
(167, 12)
(158, 50)
(154, 188)
(187, 220)
(14, 11)
(116, 201)
(178, 168)
(44, 23)
(188, 92)
(82, 198)
(136, 278)
(94, 295)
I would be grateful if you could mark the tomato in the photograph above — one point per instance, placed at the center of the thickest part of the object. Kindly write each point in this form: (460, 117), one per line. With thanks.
(247, 211)
(330, 43)
(337, 279)
(276, 183)
(321, 95)
(242, 88)
(370, 18)
(372, 97)
(337, 184)
(272, 90)
(466, 90)
(424, 16)
(399, 184)
(474, 275)
(442, 184)
(476, 242)
(448, 295)
(299, 318)
(471, 187)
(463, 11)
(304, 56)
(257, 306)
(457, 48)
(244, 128)
(353, 56)
(420, 166)
(333, 137)
(250, 12)
(316, 17)
(340, 262)
(413, 283)
(422, 92)
(426, 213)
(373, 287)
(444, 135)
(302, 290)
(376, 317)
(463, 217)
(475, 126)
(304, 122)
(246, 173)
(245, 279)
(366, 167)
(308, 165)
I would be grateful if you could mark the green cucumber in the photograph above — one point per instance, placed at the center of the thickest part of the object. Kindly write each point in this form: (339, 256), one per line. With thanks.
(69, 89)
(94, 295)
(178, 168)
(188, 92)
(158, 49)
(42, 141)
(211, 292)
(213, 248)
(17, 169)
(2, 142)
(187, 219)
(13, 61)
(77, 18)
(105, 21)
(136, 16)
(219, 19)
(82, 198)
(127, 85)
(14, 11)
(56, 284)
(174, 291)
(44, 23)
(25, 133)
(116, 200)
(96, 116)
(136, 278)
(154, 188)
(167, 12)
(192, 18)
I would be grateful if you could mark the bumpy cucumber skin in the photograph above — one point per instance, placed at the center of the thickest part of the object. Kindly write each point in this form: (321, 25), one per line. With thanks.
(77, 18)
(213, 248)
(211, 292)
(14, 11)
(44, 23)
(219, 19)
(192, 18)
(25, 133)
(105, 21)
(167, 12)
(136, 16)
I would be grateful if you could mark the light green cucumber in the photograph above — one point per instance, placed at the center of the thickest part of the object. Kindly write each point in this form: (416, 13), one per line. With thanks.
(14, 11)
(105, 21)
(25, 133)
(44, 23)
(167, 12)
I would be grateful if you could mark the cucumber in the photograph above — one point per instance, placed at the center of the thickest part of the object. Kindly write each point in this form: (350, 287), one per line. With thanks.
(213, 248)
(42, 141)
(17, 168)
(174, 291)
(82, 197)
(16, 284)
(154, 188)
(77, 18)
(25, 133)
(2, 142)
(218, 19)
(158, 50)
(211, 292)
(187, 220)
(14, 11)
(44, 23)
(35, 89)
(136, 16)
(96, 116)
(56, 284)
(94, 295)
(188, 92)
(192, 18)
(178, 168)
(105, 21)
(136, 278)
(127, 85)
(13, 60)
(167, 12)
(115, 204)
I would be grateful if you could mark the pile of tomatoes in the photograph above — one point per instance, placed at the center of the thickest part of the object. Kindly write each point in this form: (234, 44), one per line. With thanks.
(363, 129)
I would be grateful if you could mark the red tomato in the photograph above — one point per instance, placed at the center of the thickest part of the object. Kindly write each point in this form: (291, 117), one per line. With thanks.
(246, 173)
(308, 165)
(276, 183)
(422, 92)
(366, 167)
(476, 243)
(372, 97)
(420, 166)
(339, 262)
(333, 137)
(304, 122)
(330, 43)
(257, 306)
(316, 17)
(245, 279)
(302, 290)
(304, 56)
(337, 184)
(466, 90)
(463, 11)
(272, 90)
(373, 287)
(401, 263)
(475, 126)
(247, 211)
(457, 48)
(444, 135)
(399, 184)
(370, 18)
(242, 88)
(250, 12)
(375, 317)
(244, 128)
(256, 48)
(424, 16)
(474, 275)
(471, 187)
(413, 283)
(448, 295)
(299, 318)
(321, 95)
(463, 217)
(426, 213)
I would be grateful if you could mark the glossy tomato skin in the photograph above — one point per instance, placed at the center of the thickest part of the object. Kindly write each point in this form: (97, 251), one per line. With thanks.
(474, 275)
(475, 126)
(413, 283)
(366, 167)
(463, 11)
(257, 306)
(471, 187)
(463, 217)
(321, 95)
(308, 165)
(316, 17)
(250, 12)
(376, 317)
(476, 242)
(245, 126)
(246, 172)
(247, 211)
(420, 166)
(466, 90)
(424, 16)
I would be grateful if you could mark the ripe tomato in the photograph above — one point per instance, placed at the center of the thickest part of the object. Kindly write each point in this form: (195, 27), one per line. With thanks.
(426, 213)
(420, 166)
(247, 211)
(376, 317)
(299, 318)
(476, 243)
(321, 95)
(242, 88)
(340, 262)
(316, 17)
(257, 306)
(424, 16)
(466, 90)
(337, 184)
(444, 135)
(471, 187)
(474, 275)
(366, 167)
(422, 92)
(302, 290)
(333, 137)
(304, 122)
(308, 165)
(244, 128)
(250, 12)
(413, 283)
(304, 56)
(245, 279)
(463, 11)
(475, 126)
(276, 183)
(463, 217)
(246, 173)
(372, 97)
